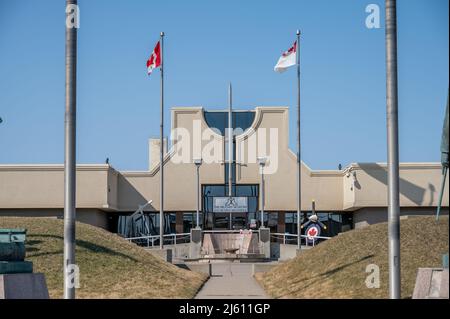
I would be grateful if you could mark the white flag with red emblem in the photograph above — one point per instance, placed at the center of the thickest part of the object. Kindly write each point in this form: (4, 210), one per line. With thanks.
(155, 59)
(287, 59)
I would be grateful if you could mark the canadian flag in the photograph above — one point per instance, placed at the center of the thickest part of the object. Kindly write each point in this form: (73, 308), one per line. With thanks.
(287, 59)
(155, 59)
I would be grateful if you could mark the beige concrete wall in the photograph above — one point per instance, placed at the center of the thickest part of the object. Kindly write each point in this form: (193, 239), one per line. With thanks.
(93, 217)
(281, 184)
(180, 179)
(42, 186)
(154, 149)
(419, 185)
(348, 191)
(113, 189)
(325, 187)
(373, 215)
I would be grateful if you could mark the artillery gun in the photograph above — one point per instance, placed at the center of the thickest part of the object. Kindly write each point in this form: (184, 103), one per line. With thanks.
(17, 280)
(12, 252)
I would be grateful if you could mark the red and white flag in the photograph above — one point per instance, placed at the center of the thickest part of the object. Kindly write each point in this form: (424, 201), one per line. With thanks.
(155, 59)
(287, 59)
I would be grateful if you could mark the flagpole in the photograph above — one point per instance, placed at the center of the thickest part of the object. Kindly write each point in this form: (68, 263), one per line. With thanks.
(299, 168)
(161, 153)
(70, 156)
(230, 147)
(392, 145)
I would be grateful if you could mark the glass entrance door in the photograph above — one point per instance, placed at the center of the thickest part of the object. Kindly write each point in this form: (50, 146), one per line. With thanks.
(216, 220)
(222, 221)
(239, 221)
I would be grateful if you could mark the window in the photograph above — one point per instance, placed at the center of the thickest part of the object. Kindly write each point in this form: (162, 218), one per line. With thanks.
(272, 222)
(290, 219)
(190, 220)
(143, 225)
(240, 121)
(211, 191)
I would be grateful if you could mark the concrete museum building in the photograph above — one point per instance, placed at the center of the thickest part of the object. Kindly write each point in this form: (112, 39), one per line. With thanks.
(353, 197)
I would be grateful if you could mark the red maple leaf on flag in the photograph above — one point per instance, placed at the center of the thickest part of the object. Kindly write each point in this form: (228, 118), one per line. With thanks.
(155, 59)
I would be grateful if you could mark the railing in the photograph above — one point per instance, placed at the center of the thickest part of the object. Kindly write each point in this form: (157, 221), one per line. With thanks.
(153, 240)
(227, 231)
(174, 239)
(287, 238)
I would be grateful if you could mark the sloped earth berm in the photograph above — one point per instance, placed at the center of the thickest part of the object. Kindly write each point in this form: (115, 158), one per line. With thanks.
(337, 268)
(110, 267)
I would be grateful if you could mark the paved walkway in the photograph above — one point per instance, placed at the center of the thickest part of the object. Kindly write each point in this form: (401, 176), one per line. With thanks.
(231, 280)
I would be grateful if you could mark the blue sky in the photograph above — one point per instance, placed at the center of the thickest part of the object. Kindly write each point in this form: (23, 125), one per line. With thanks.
(208, 44)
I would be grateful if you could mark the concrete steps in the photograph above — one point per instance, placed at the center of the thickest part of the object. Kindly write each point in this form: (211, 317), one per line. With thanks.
(215, 244)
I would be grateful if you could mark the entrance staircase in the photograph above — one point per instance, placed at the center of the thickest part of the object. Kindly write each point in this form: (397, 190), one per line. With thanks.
(226, 245)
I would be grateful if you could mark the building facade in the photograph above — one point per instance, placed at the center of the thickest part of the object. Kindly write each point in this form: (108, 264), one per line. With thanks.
(352, 197)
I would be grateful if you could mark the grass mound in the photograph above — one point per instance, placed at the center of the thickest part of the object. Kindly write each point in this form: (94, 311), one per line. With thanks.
(336, 268)
(110, 267)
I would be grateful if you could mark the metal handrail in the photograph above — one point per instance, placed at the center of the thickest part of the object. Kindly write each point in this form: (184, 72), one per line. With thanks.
(157, 236)
(150, 239)
(228, 231)
(284, 235)
(295, 235)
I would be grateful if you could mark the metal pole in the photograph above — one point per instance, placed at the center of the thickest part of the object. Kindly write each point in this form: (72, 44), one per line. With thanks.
(70, 155)
(230, 140)
(392, 144)
(230, 147)
(161, 153)
(262, 195)
(299, 168)
(198, 196)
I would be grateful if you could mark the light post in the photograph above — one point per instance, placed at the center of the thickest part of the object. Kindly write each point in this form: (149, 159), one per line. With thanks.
(262, 163)
(198, 163)
(70, 133)
(393, 150)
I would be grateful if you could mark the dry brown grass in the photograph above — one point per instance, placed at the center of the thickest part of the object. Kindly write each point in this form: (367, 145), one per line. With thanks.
(337, 268)
(110, 267)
